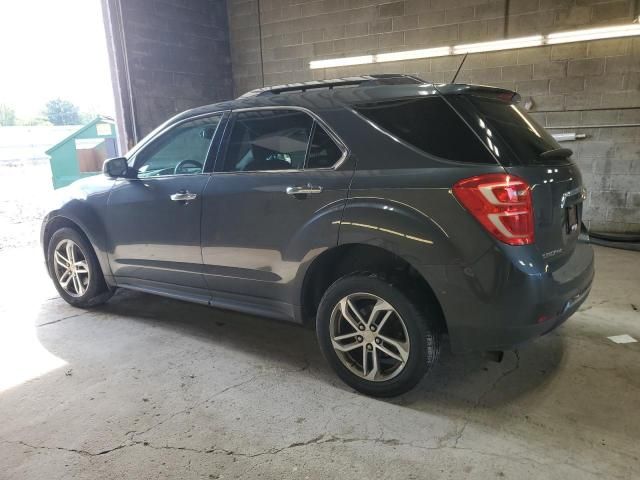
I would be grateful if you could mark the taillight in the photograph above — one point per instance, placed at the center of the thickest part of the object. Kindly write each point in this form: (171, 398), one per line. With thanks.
(501, 203)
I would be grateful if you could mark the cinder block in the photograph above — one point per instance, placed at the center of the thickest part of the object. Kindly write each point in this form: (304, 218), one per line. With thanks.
(459, 15)
(607, 166)
(586, 66)
(476, 31)
(534, 55)
(608, 48)
(382, 26)
(623, 64)
(625, 183)
(569, 51)
(624, 214)
(571, 16)
(508, 58)
(604, 83)
(566, 85)
(550, 69)
(413, 7)
(533, 87)
(633, 199)
(556, 119)
(611, 11)
(517, 72)
(357, 29)
(312, 36)
(550, 103)
(389, 40)
(394, 9)
(583, 100)
(431, 19)
(621, 99)
(599, 117)
(404, 23)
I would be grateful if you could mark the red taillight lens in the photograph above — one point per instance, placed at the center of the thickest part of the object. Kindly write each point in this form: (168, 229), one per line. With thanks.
(501, 203)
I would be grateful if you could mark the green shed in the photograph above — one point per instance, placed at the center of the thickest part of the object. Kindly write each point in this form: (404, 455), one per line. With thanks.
(82, 153)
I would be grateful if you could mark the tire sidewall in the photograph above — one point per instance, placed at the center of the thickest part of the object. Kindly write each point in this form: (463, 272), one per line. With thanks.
(96, 282)
(417, 328)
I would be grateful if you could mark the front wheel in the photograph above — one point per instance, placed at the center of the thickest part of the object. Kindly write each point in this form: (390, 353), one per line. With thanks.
(377, 340)
(75, 270)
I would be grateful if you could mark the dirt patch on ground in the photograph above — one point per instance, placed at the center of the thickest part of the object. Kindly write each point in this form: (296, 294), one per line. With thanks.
(25, 194)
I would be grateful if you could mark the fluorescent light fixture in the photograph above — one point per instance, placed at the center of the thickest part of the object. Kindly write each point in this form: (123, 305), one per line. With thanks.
(618, 31)
(413, 54)
(508, 44)
(341, 62)
(594, 34)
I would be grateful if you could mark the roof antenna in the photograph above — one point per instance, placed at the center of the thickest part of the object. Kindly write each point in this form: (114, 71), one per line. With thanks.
(459, 68)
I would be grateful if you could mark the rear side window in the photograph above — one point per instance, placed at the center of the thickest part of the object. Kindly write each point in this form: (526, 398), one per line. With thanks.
(323, 151)
(268, 140)
(430, 125)
(519, 132)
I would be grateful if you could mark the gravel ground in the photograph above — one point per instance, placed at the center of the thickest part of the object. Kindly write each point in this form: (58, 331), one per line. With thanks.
(24, 194)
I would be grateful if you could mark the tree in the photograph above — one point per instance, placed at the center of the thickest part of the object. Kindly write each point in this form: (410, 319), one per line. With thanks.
(7, 116)
(62, 112)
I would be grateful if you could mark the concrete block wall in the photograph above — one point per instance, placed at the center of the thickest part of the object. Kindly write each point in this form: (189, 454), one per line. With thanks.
(577, 85)
(175, 53)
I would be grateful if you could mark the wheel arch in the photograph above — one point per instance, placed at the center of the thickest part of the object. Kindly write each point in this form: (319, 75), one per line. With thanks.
(346, 259)
(56, 222)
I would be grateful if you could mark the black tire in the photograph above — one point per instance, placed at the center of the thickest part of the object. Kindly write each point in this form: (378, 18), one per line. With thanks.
(96, 290)
(420, 326)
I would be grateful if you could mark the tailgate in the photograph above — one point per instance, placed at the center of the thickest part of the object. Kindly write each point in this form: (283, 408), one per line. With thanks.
(558, 194)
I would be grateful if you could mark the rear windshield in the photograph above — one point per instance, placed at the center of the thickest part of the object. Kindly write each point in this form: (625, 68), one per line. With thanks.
(429, 125)
(519, 132)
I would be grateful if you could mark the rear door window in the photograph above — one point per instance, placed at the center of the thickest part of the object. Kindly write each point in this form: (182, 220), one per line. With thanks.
(265, 140)
(429, 125)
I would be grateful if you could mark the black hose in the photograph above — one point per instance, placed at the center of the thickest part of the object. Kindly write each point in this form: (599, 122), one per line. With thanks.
(623, 241)
(616, 237)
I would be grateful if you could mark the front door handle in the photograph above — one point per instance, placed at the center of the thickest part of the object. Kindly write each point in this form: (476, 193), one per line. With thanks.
(183, 196)
(304, 190)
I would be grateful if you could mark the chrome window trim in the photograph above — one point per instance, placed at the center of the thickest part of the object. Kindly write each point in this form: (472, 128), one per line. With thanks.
(337, 140)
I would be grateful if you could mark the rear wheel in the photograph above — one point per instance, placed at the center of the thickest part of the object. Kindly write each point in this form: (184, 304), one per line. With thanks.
(75, 270)
(374, 336)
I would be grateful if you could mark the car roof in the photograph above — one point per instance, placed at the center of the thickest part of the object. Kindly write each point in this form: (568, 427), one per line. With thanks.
(340, 92)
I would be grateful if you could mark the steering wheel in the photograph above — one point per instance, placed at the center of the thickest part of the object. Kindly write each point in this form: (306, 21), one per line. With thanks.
(184, 163)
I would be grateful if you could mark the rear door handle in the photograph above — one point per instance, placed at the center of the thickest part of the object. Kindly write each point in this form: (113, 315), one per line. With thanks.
(304, 190)
(183, 196)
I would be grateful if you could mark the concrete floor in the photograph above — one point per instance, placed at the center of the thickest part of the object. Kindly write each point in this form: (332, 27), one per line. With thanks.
(152, 388)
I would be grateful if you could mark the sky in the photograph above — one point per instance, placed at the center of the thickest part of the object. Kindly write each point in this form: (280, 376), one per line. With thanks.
(50, 49)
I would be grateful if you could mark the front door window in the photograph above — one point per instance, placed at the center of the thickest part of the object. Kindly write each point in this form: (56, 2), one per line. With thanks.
(183, 150)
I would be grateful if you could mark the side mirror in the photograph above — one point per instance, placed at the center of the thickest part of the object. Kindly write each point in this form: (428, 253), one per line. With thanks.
(116, 167)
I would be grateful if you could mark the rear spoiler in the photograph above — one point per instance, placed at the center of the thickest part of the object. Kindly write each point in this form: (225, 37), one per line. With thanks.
(502, 94)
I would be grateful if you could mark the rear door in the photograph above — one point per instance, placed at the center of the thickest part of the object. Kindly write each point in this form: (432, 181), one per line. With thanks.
(527, 150)
(271, 203)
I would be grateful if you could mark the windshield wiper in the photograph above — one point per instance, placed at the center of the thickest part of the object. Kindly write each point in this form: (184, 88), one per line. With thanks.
(557, 153)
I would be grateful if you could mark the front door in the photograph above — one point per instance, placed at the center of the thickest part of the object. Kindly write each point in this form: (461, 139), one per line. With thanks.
(274, 199)
(154, 219)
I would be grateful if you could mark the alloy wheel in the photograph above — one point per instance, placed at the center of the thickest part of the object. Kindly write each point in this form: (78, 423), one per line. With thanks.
(71, 268)
(369, 337)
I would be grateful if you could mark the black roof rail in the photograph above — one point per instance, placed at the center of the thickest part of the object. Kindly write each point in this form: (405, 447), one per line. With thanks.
(363, 80)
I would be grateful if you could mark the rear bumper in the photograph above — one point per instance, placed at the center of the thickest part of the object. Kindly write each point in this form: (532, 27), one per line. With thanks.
(511, 296)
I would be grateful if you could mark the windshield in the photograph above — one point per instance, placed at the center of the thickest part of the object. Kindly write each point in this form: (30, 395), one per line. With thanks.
(506, 125)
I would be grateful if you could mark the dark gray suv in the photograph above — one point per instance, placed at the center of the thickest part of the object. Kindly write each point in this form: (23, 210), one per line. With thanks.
(387, 212)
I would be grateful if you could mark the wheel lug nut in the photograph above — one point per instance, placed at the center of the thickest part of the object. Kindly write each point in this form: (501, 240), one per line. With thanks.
(361, 327)
(378, 341)
(369, 346)
(359, 338)
(373, 328)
